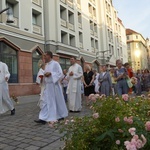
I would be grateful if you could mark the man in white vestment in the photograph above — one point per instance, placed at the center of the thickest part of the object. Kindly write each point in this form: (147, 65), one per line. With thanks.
(74, 74)
(53, 105)
(5, 101)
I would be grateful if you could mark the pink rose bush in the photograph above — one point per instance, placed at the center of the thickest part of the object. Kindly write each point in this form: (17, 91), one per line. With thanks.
(125, 97)
(147, 126)
(120, 123)
(135, 143)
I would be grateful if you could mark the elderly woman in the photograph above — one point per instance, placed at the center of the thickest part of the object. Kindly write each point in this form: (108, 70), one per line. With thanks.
(121, 75)
(88, 81)
(105, 81)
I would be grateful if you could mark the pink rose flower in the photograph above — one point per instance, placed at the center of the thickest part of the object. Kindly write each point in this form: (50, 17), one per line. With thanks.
(147, 126)
(117, 119)
(144, 139)
(125, 97)
(120, 130)
(132, 131)
(118, 142)
(125, 119)
(136, 137)
(139, 144)
(95, 115)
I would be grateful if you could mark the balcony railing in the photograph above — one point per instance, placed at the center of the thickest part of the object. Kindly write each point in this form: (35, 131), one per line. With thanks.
(37, 2)
(93, 49)
(81, 45)
(70, 26)
(63, 23)
(37, 29)
(64, 1)
(95, 34)
(15, 23)
(91, 31)
(70, 4)
(79, 6)
(80, 25)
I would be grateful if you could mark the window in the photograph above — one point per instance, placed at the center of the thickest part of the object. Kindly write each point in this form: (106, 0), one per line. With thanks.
(127, 37)
(72, 40)
(9, 55)
(128, 46)
(63, 13)
(13, 12)
(64, 37)
(136, 36)
(64, 63)
(36, 56)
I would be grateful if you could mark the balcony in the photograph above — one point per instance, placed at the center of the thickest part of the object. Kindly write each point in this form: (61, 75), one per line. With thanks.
(15, 23)
(64, 1)
(90, 15)
(70, 4)
(71, 26)
(80, 45)
(78, 6)
(37, 2)
(37, 29)
(63, 23)
(93, 49)
(80, 25)
(95, 34)
(91, 31)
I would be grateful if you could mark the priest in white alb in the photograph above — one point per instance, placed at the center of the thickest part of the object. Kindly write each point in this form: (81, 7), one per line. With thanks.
(53, 105)
(6, 103)
(74, 74)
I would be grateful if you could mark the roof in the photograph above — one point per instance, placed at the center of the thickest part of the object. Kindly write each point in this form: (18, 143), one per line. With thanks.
(129, 32)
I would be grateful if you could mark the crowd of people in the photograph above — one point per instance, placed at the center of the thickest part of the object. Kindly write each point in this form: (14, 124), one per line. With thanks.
(63, 91)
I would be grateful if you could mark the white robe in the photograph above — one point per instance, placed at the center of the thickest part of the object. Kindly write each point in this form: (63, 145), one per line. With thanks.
(42, 86)
(96, 82)
(5, 101)
(53, 105)
(74, 88)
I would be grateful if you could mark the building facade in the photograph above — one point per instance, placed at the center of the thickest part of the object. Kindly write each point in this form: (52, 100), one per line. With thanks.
(137, 50)
(87, 29)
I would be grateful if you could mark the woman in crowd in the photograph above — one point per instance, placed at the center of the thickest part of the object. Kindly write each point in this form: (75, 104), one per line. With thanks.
(105, 81)
(146, 80)
(121, 75)
(88, 81)
(138, 85)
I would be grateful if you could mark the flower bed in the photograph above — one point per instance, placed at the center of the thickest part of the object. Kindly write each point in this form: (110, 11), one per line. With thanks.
(117, 123)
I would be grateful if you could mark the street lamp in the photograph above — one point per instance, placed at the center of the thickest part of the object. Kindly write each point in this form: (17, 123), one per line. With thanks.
(103, 60)
(9, 14)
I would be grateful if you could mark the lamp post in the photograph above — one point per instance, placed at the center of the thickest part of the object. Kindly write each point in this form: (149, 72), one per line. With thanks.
(103, 60)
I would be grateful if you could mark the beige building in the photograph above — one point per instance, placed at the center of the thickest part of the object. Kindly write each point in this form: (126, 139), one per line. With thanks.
(87, 29)
(137, 50)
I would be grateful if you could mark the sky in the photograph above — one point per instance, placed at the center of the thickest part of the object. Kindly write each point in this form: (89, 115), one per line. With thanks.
(135, 14)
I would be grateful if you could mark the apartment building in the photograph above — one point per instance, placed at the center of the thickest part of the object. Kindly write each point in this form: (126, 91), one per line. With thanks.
(87, 29)
(137, 50)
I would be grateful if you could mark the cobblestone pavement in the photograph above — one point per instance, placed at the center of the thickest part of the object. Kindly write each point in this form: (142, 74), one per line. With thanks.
(20, 132)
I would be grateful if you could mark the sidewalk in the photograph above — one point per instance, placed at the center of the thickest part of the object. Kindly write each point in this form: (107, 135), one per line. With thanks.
(20, 132)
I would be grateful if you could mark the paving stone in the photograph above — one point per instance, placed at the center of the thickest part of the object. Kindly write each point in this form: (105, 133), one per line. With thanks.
(15, 143)
(2, 145)
(38, 143)
(32, 148)
(23, 145)
(9, 148)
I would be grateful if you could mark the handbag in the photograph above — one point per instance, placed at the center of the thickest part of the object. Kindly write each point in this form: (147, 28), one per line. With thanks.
(130, 85)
